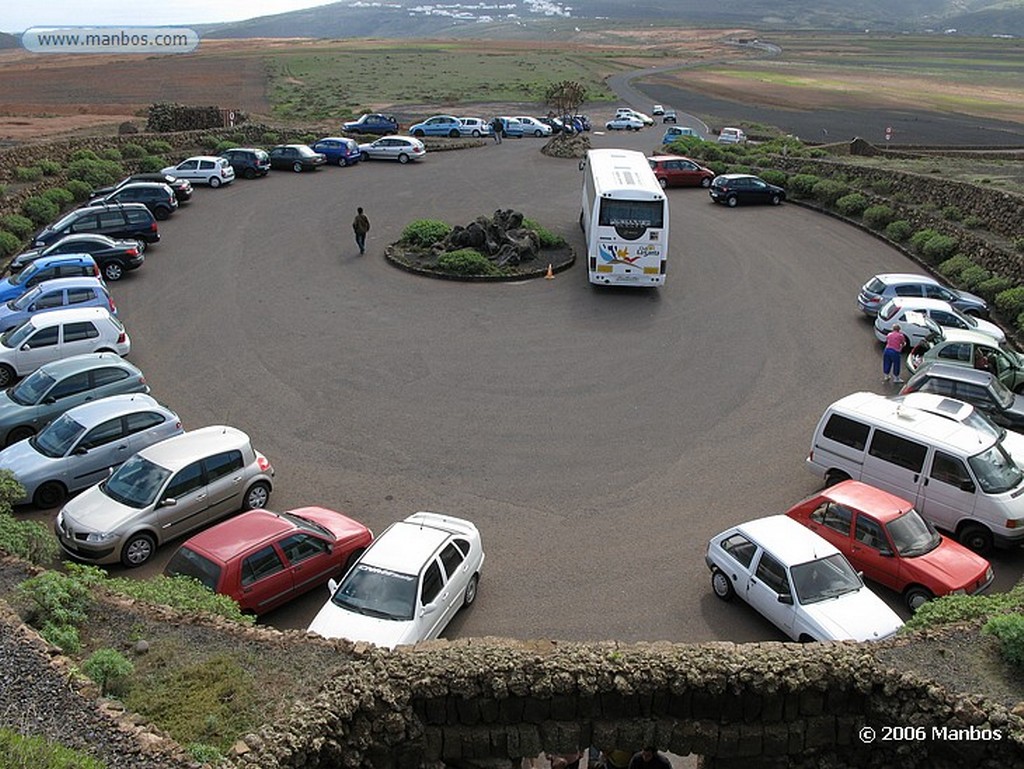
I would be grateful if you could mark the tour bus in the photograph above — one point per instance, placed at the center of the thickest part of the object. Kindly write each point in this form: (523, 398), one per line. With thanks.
(624, 219)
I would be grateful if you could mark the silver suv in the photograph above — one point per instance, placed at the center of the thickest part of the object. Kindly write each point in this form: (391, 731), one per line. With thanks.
(886, 286)
(162, 492)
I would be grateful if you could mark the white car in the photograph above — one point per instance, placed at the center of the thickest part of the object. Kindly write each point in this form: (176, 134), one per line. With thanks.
(630, 112)
(408, 584)
(475, 127)
(624, 124)
(658, 110)
(533, 127)
(400, 148)
(798, 580)
(919, 316)
(732, 136)
(205, 169)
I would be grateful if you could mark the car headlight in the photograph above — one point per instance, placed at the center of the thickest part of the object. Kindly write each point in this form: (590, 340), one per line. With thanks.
(97, 537)
(989, 574)
(958, 591)
(60, 520)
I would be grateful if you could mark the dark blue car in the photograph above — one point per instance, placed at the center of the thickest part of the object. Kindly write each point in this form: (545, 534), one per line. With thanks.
(47, 268)
(338, 150)
(372, 123)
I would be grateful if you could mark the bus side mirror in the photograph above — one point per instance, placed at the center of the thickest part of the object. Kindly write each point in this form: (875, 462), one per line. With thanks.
(582, 164)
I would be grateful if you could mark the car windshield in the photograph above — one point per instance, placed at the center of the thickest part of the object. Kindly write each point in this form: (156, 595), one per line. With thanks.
(24, 275)
(25, 300)
(913, 535)
(995, 470)
(189, 563)
(1002, 393)
(31, 388)
(377, 592)
(825, 578)
(305, 523)
(58, 438)
(135, 483)
(17, 335)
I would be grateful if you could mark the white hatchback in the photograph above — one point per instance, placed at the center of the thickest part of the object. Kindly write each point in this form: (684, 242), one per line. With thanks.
(533, 127)
(918, 317)
(799, 581)
(205, 169)
(408, 584)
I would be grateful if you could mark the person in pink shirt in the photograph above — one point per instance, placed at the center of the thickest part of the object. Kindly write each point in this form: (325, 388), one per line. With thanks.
(894, 343)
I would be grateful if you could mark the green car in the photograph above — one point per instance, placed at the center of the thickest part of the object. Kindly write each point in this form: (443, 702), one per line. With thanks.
(970, 348)
(44, 395)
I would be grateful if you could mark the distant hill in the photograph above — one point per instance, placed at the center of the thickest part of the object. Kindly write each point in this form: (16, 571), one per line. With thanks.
(546, 18)
(9, 41)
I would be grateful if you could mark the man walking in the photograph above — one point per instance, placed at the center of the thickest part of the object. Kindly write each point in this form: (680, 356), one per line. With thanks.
(361, 226)
(497, 127)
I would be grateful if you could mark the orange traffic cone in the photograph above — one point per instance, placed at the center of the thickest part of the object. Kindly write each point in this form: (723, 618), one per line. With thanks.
(550, 275)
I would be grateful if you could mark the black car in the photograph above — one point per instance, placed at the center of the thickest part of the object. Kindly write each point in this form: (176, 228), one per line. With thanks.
(296, 157)
(249, 162)
(113, 256)
(128, 221)
(372, 123)
(156, 196)
(182, 187)
(982, 389)
(744, 188)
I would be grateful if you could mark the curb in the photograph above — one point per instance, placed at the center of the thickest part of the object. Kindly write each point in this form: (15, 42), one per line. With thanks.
(389, 255)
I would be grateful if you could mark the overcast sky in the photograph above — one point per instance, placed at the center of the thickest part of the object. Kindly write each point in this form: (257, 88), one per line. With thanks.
(17, 16)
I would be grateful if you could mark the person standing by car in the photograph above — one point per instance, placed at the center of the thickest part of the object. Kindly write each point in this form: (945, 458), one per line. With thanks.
(894, 343)
(497, 127)
(649, 757)
(361, 226)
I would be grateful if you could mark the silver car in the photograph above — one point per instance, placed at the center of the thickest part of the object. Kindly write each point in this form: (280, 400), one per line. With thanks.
(80, 447)
(163, 492)
(400, 148)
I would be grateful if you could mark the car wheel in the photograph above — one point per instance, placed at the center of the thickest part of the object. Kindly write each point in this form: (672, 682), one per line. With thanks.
(7, 375)
(476, 134)
(364, 155)
(806, 639)
(975, 537)
(705, 182)
(721, 585)
(297, 167)
(137, 550)
(249, 173)
(832, 477)
(418, 134)
(916, 596)
(162, 213)
(113, 271)
(50, 494)
(256, 496)
(470, 595)
(731, 201)
(214, 182)
(403, 158)
(663, 182)
(775, 200)
(538, 133)
(19, 434)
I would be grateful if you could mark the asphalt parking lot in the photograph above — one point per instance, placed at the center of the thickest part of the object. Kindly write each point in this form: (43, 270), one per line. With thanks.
(598, 437)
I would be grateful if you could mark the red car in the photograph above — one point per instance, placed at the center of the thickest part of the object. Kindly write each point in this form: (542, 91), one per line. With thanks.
(264, 559)
(886, 538)
(677, 171)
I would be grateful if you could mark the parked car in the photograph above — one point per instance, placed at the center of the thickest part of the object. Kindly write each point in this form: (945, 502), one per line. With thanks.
(44, 395)
(533, 127)
(104, 250)
(511, 127)
(82, 445)
(475, 127)
(679, 132)
(557, 125)
(338, 150)
(732, 136)
(438, 125)
(56, 294)
(969, 348)
(248, 162)
(163, 492)
(50, 336)
(47, 268)
(732, 189)
(156, 196)
(624, 124)
(205, 169)
(126, 221)
(669, 116)
(408, 584)
(881, 288)
(182, 187)
(629, 112)
(920, 317)
(679, 171)
(658, 110)
(372, 123)
(982, 389)
(798, 581)
(400, 148)
(296, 157)
(263, 559)
(886, 539)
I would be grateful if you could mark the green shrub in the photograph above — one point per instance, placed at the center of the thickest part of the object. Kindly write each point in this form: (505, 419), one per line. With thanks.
(880, 186)
(271, 138)
(973, 222)
(78, 189)
(131, 151)
(19, 751)
(40, 210)
(988, 289)
(1009, 629)
(83, 155)
(182, 593)
(158, 147)
(898, 231)
(203, 753)
(56, 598)
(31, 540)
(151, 164)
(1018, 245)
(852, 205)
(951, 609)
(225, 145)
(111, 153)
(467, 261)
(425, 232)
(49, 167)
(9, 243)
(547, 238)
(952, 213)
(953, 266)
(973, 276)
(64, 637)
(109, 668)
(59, 196)
(877, 217)
(776, 177)
(739, 169)
(801, 185)
(95, 173)
(30, 174)
(828, 191)
(919, 238)
(939, 248)
(1011, 301)
(20, 225)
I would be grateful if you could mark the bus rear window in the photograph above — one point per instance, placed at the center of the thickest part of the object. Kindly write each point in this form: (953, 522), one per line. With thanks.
(632, 215)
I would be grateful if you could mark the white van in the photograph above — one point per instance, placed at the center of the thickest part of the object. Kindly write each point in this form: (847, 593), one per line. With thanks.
(959, 475)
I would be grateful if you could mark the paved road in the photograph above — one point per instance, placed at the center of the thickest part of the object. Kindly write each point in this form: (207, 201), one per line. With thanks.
(598, 437)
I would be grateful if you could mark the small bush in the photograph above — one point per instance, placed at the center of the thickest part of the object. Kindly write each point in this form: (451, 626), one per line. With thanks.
(203, 753)
(939, 248)
(881, 186)
(852, 205)
(973, 222)
(64, 637)
(547, 238)
(224, 145)
(95, 173)
(950, 609)
(78, 189)
(158, 147)
(30, 174)
(111, 153)
(49, 167)
(151, 164)
(467, 261)
(1011, 301)
(952, 213)
(271, 138)
(801, 185)
(898, 231)
(40, 210)
(828, 191)
(56, 598)
(425, 232)
(953, 266)
(20, 225)
(18, 750)
(31, 540)
(988, 289)
(59, 196)
(108, 668)
(877, 217)
(973, 276)
(182, 593)
(739, 169)
(83, 155)
(1009, 629)
(773, 176)
(132, 151)
(9, 243)
(919, 238)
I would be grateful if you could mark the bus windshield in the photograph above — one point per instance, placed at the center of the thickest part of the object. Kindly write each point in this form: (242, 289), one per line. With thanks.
(631, 218)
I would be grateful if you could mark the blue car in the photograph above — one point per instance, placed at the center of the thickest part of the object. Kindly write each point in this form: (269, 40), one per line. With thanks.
(439, 125)
(57, 294)
(48, 268)
(338, 150)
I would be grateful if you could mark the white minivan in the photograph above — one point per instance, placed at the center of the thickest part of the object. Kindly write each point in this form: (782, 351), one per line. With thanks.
(959, 475)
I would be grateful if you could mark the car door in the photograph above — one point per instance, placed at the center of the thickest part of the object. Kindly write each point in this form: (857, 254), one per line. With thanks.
(834, 523)
(457, 573)
(207, 169)
(103, 447)
(768, 583)
(69, 392)
(689, 173)
(430, 612)
(265, 580)
(895, 464)
(41, 347)
(948, 493)
(872, 553)
(80, 337)
(186, 494)
(225, 482)
(188, 170)
(144, 428)
(309, 559)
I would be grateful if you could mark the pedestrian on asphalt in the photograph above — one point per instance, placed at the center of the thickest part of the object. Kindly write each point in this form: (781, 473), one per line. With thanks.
(894, 343)
(649, 758)
(497, 127)
(361, 226)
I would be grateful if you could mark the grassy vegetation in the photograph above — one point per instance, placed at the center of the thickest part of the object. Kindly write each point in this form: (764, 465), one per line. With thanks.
(19, 752)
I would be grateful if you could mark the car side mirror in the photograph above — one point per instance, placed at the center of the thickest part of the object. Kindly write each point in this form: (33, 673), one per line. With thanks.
(430, 608)
(967, 485)
(80, 451)
(332, 586)
(49, 399)
(168, 502)
(786, 598)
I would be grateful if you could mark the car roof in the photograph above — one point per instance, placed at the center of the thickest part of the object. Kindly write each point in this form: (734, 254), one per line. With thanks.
(242, 531)
(951, 334)
(736, 176)
(671, 157)
(789, 541)
(90, 360)
(959, 373)
(174, 453)
(882, 505)
(56, 317)
(83, 237)
(904, 277)
(76, 282)
(69, 258)
(410, 543)
(921, 303)
(93, 413)
(199, 157)
(940, 405)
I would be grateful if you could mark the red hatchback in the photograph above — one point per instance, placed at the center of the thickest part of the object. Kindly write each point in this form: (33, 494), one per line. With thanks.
(264, 559)
(677, 171)
(886, 538)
